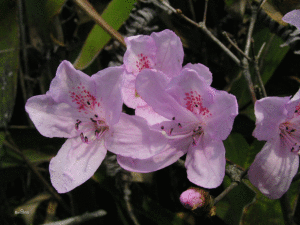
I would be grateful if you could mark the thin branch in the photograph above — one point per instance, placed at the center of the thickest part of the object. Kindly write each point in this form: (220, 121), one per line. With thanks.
(36, 172)
(127, 193)
(258, 76)
(235, 45)
(225, 192)
(202, 26)
(245, 63)
(89, 9)
(79, 219)
(205, 11)
(286, 210)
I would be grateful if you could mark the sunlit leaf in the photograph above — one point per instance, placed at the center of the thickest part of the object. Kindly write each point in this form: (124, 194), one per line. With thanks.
(115, 15)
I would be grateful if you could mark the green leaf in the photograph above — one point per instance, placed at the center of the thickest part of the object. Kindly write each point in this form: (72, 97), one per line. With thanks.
(9, 60)
(263, 211)
(115, 15)
(237, 149)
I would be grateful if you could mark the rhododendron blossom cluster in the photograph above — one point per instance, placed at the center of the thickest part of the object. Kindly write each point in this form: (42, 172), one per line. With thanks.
(177, 113)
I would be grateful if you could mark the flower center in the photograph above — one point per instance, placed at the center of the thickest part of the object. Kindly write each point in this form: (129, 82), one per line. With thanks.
(92, 129)
(143, 62)
(177, 130)
(290, 135)
(195, 105)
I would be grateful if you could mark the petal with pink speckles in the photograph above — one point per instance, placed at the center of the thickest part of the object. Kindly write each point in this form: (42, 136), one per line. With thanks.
(151, 85)
(140, 54)
(269, 112)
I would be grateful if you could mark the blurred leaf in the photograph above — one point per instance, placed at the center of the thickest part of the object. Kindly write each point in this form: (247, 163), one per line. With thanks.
(35, 156)
(9, 158)
(263, 211)
(36, 16)
(28, 209)
(115, 15)
(237, 149)
(53, 7)
(9, 59)
(255, 148)
(231, 208)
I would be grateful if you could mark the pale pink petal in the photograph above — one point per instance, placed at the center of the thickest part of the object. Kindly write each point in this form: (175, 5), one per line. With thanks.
(151, 85)
(273, 169)
(132, 137)
(293, 18)
(269, 112)
(140, 53)
(130, 95)
(108, 83)
(149, 114)
(75, 163)
(205, 164)
(50, 118)
(189, 82)
(173, 151)
(293, 105)
(67, 80)
(224, 110)
(202, 71)
(169, 56)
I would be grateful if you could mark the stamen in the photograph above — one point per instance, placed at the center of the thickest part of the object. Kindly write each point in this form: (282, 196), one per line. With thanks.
(176, 136)
(173, 118)
(179, 125)
(162, 127)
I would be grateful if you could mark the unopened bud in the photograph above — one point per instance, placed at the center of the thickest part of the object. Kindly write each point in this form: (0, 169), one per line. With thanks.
(198, 201)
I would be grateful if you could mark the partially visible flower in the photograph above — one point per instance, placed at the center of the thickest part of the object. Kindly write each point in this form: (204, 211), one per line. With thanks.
(197, 119)
(162, 51)
(278, 123)
(293, 18)
(87, 110)
(198, 201)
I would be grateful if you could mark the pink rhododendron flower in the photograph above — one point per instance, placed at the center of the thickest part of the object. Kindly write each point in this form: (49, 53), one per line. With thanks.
(198, 118)
(278, 123)
(87, 110)
(162, 51)
(192, 198)
(293, 18)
